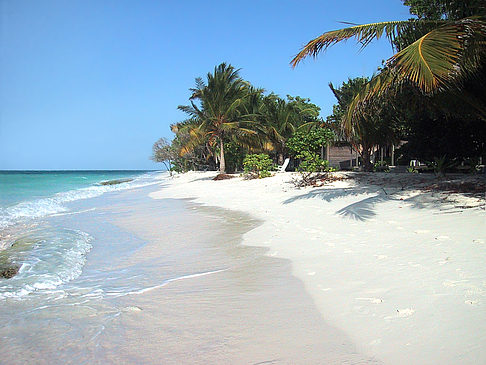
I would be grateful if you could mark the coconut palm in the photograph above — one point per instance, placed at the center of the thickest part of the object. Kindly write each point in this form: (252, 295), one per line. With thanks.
(219, 114)
(434, 55)
(375, 126)
(280, 120)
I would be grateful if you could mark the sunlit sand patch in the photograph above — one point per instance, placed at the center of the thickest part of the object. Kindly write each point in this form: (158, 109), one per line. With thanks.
(452, 283)
(323, 289)
(372, 300)
(404, 313)
(422, 231)
(445, 261)
(414, 264)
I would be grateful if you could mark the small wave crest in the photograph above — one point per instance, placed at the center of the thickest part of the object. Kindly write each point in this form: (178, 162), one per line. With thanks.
(47, 206)
(48, 258)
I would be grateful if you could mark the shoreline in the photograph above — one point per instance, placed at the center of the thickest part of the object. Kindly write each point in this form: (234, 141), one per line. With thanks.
(169, 281)
(387, 267)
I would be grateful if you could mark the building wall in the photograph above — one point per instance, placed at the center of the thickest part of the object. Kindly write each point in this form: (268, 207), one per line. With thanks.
(341, 156)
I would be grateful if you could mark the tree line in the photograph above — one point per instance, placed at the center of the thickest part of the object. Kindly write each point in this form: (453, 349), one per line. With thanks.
(229, 118)
(430, 93)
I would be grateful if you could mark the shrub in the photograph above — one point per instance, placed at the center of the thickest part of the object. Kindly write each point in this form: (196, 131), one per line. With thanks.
(310, 141)
(258, 166)
(441, 165)
(310, 164)
(381, 166)
(305, 147)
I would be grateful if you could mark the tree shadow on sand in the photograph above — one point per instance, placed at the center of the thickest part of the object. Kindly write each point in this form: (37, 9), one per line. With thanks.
(207, 178)
(364, 209)
(361, 210)
(331, 194)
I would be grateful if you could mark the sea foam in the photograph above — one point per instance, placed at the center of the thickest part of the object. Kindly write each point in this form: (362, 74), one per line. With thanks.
(49, 258)
(43, 207)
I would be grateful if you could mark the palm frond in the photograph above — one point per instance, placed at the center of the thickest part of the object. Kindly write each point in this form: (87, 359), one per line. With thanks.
(364, 34)
(431, 61)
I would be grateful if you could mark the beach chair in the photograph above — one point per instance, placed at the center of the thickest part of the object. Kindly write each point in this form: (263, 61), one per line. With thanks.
(284, 166)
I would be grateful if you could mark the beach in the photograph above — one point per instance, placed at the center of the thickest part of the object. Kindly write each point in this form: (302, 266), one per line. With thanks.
(400, 271)
(156, 281)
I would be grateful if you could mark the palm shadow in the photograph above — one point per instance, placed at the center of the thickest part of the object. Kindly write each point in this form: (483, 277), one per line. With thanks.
(331, 194)
(362, 210)
(204, 178)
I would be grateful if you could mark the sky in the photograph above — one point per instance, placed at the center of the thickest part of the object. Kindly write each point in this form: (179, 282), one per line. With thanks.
(92, 84)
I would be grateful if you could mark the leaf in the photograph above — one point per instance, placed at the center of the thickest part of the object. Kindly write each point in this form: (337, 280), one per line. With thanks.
(363, 34)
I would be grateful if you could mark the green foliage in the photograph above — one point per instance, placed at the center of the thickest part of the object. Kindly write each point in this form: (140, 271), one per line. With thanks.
(280, 119)
(412, 170)
(445, 9)
(235, 154)
(432, 133)
(438, 52)
(308, 112)
(312, 162)
(381, 166)
(258, 165)
(220, 112)
(377, 124)
(441, 165)
(311, 141)
(305, 146)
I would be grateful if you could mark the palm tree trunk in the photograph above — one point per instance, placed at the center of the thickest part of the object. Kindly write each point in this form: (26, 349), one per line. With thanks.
(366, 156)
(222, 164)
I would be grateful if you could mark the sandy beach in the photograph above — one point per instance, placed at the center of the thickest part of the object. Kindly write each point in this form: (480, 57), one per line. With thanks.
(167, 281)
(399, 270)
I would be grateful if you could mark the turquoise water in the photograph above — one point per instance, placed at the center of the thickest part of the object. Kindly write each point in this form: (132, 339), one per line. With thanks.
(18, 186)
(50, 256)
(28, 195)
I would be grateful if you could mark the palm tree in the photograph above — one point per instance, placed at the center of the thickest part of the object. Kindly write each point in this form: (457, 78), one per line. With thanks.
(280, 120)
(433, 54)
(220, 114)
(375, 126)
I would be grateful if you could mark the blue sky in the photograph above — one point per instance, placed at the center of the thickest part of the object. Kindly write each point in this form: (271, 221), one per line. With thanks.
(91, 84)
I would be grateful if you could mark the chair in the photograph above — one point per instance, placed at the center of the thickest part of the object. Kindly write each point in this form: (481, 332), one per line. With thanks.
(284, 166)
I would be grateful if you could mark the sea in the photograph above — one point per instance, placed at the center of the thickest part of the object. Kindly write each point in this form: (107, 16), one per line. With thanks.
(108, 275)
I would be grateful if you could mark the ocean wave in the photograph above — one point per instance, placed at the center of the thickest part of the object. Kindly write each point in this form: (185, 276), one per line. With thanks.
(55, 204)
(48, 258)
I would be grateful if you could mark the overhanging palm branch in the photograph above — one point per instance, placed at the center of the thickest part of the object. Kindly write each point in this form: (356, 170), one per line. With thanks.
(439, 59)
(364, 34)
(435, 61)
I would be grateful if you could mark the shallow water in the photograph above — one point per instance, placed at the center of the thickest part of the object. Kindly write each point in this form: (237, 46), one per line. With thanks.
(165, 281)
(27, 195)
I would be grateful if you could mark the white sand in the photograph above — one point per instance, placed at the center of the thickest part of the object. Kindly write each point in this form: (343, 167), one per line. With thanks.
(402, 273)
